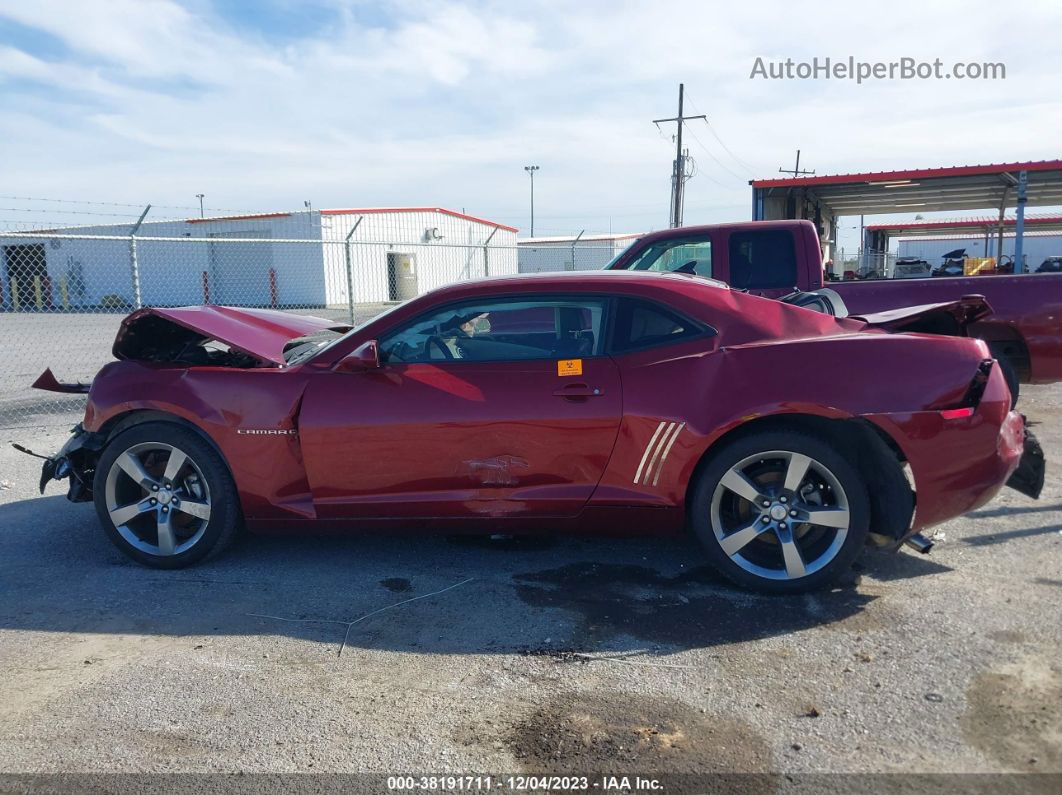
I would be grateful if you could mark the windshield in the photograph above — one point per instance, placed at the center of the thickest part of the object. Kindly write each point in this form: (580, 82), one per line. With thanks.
(303, 348)
(691, 255)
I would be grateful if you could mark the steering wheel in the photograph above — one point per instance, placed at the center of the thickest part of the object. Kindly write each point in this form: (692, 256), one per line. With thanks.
(438, 343)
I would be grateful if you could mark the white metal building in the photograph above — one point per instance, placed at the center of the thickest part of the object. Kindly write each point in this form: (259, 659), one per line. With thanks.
(1037, 247)
(297, 259)
(582, 252)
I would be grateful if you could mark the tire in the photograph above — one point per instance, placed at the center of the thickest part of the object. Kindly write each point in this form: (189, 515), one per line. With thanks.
(1006, 365)
(762, 559)
(162, 518)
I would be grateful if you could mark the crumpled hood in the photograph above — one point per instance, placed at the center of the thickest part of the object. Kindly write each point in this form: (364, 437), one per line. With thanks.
(260, 333)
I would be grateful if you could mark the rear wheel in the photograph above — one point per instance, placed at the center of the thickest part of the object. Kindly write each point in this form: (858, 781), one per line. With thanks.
(164, 496)
(780, 512)
(1002, 354)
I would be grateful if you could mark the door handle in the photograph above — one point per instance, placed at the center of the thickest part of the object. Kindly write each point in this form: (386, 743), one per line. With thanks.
(578, 391)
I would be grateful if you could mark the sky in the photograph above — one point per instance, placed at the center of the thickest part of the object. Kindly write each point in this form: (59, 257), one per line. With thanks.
(264, 105)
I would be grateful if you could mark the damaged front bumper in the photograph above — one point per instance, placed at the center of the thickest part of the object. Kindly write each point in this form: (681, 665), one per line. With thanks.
(76, 461)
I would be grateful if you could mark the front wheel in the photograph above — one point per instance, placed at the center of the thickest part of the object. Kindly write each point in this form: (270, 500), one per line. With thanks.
(780, 512)
(164, 496)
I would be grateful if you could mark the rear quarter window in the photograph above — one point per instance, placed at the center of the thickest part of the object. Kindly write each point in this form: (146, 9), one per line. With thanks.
(641, 324)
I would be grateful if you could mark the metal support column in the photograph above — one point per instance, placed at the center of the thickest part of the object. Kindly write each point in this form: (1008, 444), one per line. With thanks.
(573, 247)
(350, 268)
(486, 252)
(1019, 222)
(134, 261)
(999, 239)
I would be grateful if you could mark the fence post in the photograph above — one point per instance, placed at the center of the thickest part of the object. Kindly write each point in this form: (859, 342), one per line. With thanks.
(486, 254)
(573, 247)
(134, 262)
(273, 287)
(350, 268)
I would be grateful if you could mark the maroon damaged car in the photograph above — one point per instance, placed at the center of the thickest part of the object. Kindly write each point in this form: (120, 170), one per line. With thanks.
(784, 439)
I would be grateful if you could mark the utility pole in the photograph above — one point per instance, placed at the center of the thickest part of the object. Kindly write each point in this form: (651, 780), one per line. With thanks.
(678, 175)
(531, 172)
(200, 197)
(795, 170)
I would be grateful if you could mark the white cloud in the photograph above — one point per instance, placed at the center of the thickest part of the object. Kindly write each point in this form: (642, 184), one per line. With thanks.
(444, 102)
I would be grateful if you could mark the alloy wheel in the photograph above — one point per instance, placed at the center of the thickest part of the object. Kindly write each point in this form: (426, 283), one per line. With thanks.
(158, 499)
(780, 515)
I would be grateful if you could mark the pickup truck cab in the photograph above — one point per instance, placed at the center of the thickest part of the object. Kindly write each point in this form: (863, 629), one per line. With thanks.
(774, 258)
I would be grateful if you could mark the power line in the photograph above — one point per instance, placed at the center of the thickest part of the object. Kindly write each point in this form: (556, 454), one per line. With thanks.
(751, 171)
(717, 161)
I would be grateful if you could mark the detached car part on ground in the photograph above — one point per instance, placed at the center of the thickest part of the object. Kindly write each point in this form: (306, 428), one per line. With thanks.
(784, 439)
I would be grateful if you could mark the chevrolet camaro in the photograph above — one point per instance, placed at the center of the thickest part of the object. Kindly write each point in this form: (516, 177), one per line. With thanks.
(784, 439)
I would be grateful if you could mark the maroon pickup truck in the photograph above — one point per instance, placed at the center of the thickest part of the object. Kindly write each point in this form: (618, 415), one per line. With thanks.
(774, 258)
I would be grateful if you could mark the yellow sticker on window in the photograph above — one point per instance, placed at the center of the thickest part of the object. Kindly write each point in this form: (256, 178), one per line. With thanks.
(570, 367)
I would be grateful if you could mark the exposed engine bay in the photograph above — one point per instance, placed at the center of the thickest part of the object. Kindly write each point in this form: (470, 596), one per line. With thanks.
(156, 339)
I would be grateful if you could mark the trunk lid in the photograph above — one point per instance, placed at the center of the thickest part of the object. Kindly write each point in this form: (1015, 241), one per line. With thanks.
(968, 309)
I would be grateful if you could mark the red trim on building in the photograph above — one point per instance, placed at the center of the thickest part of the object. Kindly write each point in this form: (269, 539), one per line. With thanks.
(919, 173)
(261, 217)
(979, 223)
(378, 210)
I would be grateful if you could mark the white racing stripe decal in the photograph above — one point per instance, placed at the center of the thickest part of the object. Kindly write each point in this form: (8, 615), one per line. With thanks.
(657, 451)
(645, 455)
(667, 450)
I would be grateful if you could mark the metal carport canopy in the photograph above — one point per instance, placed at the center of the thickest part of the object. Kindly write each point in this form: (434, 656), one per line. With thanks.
(925, 190)
(967, 226)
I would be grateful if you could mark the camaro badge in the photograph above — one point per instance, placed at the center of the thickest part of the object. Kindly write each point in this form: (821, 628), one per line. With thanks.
(267, 431)
(570, 367)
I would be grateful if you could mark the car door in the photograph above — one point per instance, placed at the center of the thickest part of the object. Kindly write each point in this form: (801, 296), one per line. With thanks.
(505, 406)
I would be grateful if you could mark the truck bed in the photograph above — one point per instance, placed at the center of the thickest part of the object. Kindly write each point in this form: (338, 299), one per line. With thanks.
(1026, 307)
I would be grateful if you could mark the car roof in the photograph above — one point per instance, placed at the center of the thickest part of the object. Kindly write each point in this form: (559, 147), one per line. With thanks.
(737, 317)
(577, 280)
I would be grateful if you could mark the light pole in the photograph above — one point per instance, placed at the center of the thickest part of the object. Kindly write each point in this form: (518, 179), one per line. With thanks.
(531, 172)
(200, 197)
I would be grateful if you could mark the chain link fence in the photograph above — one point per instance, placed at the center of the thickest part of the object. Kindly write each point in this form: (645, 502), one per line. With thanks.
(64, 291)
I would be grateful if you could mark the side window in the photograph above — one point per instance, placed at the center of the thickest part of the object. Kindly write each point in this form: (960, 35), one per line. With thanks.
(640, 324)
(501, 330)
(761, 260)
(691, 255)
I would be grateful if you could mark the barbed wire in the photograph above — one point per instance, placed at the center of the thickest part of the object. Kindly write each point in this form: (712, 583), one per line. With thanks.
(120, 204)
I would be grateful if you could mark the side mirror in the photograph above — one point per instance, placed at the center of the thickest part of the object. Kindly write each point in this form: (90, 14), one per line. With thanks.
(365, 357)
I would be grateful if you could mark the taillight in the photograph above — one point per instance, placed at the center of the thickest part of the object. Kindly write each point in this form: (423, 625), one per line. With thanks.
(976, 390)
